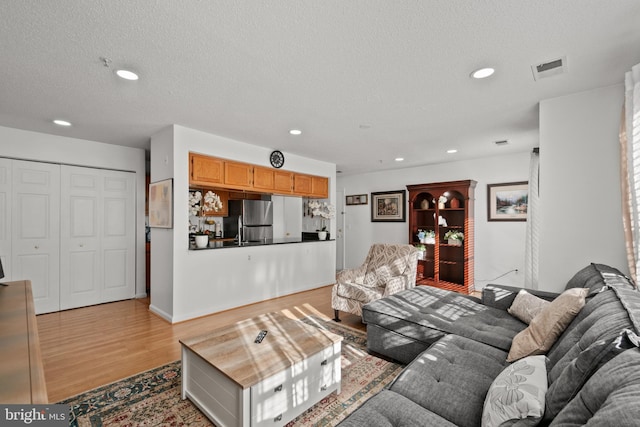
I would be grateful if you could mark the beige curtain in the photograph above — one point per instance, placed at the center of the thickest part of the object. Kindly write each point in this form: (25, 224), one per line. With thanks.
(630, 169)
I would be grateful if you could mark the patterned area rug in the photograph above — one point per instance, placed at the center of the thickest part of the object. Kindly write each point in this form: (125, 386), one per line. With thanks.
(152, 398)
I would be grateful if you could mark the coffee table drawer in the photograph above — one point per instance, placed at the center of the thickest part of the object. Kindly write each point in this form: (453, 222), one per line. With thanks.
(281, 397)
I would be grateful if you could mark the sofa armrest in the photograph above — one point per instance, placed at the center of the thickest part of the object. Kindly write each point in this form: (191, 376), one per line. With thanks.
(502, 296)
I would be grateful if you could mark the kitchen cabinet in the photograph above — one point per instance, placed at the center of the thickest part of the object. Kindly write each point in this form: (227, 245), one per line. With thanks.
(212, 172)
(238, 175)
(302, 184)
(446, 264)
(320, 187)
(205, 170)
(263, 178)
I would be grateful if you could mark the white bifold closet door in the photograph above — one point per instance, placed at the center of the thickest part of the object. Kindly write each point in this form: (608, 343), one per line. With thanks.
(35, 235)
(97, 235)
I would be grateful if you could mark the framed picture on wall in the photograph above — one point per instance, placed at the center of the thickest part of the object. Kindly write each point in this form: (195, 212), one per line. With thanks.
(508, 201)
(388, 206)
(357, 199)
(161, 204)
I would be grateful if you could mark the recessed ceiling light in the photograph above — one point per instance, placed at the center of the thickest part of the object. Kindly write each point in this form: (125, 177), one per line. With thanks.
(295, 132)
(62, 122)
(482, 73)
(127, 75)
(453, 150)
(399, 159)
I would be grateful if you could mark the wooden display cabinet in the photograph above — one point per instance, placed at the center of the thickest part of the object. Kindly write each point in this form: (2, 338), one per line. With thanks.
(444, 265)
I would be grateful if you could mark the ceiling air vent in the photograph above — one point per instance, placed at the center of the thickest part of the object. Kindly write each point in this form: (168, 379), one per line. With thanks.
(549, 68)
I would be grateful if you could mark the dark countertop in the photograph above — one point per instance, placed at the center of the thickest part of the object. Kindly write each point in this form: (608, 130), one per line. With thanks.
(221, 244)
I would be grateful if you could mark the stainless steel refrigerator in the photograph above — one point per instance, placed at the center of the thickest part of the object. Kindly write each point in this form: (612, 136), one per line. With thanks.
(249, 220)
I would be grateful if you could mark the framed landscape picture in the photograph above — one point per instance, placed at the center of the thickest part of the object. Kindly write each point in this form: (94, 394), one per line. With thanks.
(388, 206)
(161, 204)
(508, 201)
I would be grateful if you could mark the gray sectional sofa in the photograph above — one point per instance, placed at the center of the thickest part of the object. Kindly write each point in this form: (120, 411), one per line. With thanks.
(456, 349)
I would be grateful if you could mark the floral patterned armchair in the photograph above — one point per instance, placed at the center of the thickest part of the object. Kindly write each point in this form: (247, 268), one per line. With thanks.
(388, 268)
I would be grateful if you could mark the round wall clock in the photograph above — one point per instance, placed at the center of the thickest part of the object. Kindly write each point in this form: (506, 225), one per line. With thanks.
(277, 159)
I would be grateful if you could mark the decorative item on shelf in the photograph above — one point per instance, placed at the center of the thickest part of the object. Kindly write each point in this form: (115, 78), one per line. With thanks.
(325, 211)
(422, 250)
(427, 237)
(455, 203)
(454, 237)
(424, 204)
(441, 201)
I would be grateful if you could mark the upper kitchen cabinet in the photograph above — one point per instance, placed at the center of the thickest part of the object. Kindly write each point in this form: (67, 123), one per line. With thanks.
(238, 175)
(320, 187)
(205, 170)
(212, 172)
(302, 184)
(272, 180)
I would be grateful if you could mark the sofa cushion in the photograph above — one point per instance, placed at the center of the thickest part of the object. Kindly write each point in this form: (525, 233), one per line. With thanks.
(423, 313)
(546, 327)
(581, 368)
(358, 292)
(609, 397)
(517, 394)
(602, 318)
(452, 378)
(527, 306)
(389, 409)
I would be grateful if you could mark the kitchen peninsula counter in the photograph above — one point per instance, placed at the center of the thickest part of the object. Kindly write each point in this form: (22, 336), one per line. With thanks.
(225, 243)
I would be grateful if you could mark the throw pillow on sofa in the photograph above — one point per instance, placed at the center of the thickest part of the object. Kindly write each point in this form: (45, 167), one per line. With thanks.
(548, 325)
(576, 374)
(517, 395)
(527, 306)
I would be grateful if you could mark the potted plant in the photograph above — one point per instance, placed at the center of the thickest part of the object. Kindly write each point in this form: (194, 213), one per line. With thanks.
(422, 251)
(427, 236)
(213, 203)
(454, 237)
(325, 211)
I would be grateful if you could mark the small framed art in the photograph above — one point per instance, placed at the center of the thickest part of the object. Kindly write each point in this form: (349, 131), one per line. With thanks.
(161, 204)
(508, 201)
(357, 199)
(388, 206)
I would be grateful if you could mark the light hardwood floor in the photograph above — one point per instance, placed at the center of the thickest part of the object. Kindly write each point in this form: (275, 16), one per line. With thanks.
(88, 347)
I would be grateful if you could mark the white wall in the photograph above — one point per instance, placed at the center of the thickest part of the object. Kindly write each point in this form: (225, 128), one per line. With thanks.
(499, 246)
(580, 184)
(203, 282)
(27, 145)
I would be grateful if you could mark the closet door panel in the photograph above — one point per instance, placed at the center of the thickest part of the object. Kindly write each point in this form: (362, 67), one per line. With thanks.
(80, 237)
(35, 238)
(118, 238)
(5, 217)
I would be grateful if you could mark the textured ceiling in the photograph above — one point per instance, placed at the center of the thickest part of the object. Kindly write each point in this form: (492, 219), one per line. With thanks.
(366, 81)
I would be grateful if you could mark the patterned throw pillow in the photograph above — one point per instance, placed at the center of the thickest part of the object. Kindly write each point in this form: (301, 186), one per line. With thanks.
(548, 325)
(517, 394)
(526, 306)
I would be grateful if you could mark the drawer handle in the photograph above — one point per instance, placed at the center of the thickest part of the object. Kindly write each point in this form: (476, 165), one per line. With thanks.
(277, 389)
(324, 362)
(278, 418)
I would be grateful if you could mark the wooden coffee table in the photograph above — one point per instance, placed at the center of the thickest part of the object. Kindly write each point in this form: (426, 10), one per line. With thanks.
(238, 382)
